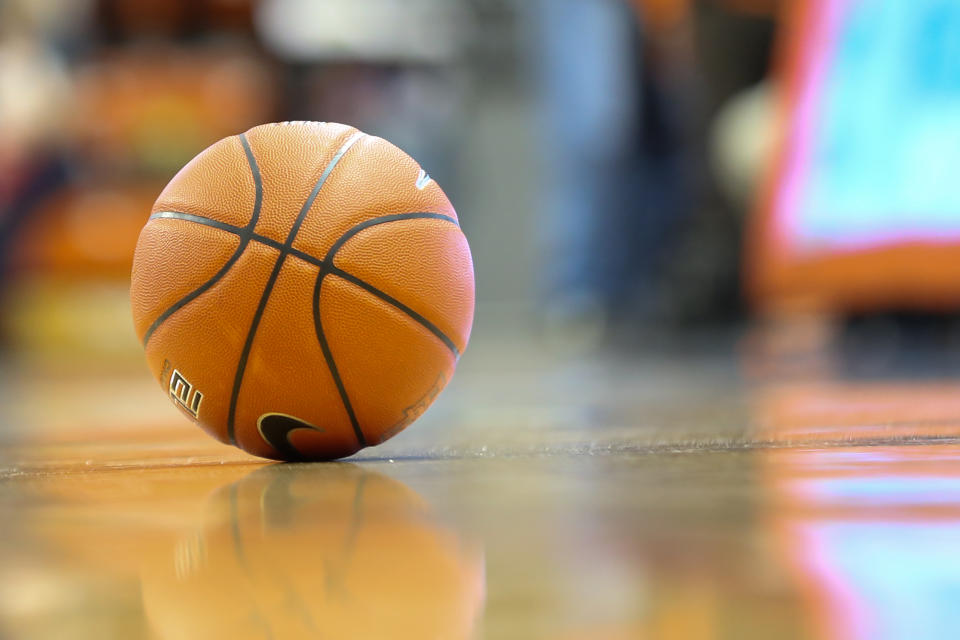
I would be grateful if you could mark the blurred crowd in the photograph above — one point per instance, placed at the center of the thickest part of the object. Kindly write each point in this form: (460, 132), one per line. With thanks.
(648, 122)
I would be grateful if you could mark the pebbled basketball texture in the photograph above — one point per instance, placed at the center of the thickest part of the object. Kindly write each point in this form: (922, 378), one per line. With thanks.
(302, 290)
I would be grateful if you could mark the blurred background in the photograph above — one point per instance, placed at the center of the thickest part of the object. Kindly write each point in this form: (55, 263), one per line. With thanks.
(602, 154)
(623, 169)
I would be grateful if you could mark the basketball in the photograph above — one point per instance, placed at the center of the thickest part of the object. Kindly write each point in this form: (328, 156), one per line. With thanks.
(302, 290)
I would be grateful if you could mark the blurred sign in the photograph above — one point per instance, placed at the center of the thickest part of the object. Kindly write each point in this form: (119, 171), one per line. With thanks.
(865, 206)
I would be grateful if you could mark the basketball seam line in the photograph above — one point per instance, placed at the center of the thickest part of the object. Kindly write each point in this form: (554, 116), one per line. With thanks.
(327, 264)
(245, 234)
(390, 300)
(331, 363)
(268, 289)
(372, 222)
(216, 224)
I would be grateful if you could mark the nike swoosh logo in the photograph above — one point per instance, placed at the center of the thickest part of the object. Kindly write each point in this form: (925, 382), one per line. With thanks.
(423, 179)
(275, 429)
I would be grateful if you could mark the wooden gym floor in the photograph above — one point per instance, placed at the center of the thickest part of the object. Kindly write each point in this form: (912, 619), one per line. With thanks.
(657, 496)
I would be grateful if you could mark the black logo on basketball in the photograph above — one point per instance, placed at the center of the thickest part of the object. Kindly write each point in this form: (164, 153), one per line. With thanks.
(184, 394)
(275, 429)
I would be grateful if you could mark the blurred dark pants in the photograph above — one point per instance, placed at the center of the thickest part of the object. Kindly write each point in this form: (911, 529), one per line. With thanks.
(611, 181)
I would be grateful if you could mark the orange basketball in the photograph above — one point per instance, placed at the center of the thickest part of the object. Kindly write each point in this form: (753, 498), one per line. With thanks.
(302, 290)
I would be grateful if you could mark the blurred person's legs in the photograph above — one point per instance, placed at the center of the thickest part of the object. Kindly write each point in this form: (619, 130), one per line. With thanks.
(585, 55)
(616, 181)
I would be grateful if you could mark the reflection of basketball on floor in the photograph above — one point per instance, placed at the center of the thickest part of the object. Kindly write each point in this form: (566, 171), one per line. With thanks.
(303, 290)
(319, 552)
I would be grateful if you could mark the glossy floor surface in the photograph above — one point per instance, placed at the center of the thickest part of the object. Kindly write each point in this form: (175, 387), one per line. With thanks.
(664, 496)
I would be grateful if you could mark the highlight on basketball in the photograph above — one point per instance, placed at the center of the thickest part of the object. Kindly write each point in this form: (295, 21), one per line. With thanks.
(479, 319)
